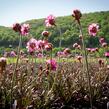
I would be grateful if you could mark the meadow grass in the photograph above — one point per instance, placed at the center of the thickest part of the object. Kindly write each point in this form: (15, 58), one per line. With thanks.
(41, 60)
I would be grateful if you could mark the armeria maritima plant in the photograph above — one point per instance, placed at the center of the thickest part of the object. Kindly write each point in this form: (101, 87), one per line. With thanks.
(77, 15)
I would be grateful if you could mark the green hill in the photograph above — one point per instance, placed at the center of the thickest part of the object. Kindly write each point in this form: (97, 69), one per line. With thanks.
(69, 28)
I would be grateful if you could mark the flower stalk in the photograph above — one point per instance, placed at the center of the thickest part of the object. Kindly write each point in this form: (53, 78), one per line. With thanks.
(14, 76)
(77, 15)
(86, 64)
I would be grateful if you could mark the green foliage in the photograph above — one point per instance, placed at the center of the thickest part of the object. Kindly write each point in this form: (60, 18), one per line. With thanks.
(55, 50)
(100, 53)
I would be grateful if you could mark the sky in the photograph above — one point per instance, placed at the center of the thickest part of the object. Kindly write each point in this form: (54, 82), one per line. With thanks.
(12, 11)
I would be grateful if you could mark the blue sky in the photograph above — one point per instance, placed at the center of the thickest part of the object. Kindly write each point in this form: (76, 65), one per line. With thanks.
(12, 11)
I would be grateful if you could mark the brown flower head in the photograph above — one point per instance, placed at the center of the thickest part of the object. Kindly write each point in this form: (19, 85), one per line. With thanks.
(77, 14)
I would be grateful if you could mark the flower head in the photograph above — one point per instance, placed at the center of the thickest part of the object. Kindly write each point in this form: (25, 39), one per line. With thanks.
(101, 62)
(93, 29)
(41, 44)
(77, 14)
(106, 54)
(52, 64)
(108, 67)
(39, 55)
(16, 27)
(79, 58)
(67, 51)
(32, 45)
(3, 62)
(93, 50)
(50, 21)
(104, 44)
(101, 40)
(60, 53)
(88, 49)
(25, 29)
(75, 45)
(45, 33)
(48, 46)
(12, 54)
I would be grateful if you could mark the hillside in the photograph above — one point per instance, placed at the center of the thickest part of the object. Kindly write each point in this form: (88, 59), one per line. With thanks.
(69, 28)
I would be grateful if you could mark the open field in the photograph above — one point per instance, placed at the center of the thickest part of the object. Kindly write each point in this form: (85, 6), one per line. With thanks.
(69, 77)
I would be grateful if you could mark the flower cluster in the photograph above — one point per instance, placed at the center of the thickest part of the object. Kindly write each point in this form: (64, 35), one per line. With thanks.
(66, 52)
(37, 45)
(22, 29)
(92, 50)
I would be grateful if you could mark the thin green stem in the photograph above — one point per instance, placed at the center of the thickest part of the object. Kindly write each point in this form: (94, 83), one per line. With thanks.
(18, 52)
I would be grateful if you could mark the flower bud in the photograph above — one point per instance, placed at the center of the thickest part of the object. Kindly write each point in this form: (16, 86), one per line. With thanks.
(45, 33)
(77, 14)
(17, 27)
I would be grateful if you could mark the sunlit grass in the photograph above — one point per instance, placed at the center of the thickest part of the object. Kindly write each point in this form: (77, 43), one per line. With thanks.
(41, 60)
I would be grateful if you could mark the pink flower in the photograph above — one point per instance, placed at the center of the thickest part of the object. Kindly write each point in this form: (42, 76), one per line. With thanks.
(96, 49)
(93, 50)
(48, 46)
(3, 59)
(52, 64)
(108, 67)
(12, 54)
(104, 44)
(101, 40)
(93, 29)
(45, 33)
(106, 54)
(41, 44)
(39, 55)
(25, 29)
(17, 27)
(79, 58)
(3, 62)
(88, 49)
(75, 45)
(67, 51)
(60, 53)
(50, 21)
(32, 45)
(77, 14)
